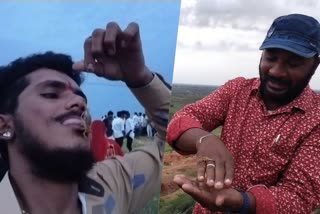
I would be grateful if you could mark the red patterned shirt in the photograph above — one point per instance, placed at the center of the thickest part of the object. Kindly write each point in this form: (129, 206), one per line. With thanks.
(276, 153)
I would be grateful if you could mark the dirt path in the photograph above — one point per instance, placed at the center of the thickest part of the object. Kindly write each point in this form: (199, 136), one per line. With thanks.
(175, 164)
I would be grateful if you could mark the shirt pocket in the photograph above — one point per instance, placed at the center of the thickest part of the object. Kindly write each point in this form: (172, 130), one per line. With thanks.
(271, 158)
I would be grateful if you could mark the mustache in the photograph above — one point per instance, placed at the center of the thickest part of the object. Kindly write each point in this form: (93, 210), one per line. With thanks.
(277, 80)
(62, 117)
(85, 117)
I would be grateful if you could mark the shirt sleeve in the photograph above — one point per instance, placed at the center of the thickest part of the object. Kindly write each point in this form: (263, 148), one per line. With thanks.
(298, 190)
(208, 113)
(135, 178)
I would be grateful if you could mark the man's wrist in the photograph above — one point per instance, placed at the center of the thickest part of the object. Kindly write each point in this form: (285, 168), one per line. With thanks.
(201, 139)
(142, 79)
(245, 208)
(252, 202)
(247, 203)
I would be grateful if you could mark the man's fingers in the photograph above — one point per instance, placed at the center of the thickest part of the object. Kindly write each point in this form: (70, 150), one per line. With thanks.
(220, 199)
(220, 172)
(190, 189)
(79, 66)
(110, 38)
(229, 172)
(97, 49)
(88, 58)
(201, 169)
(181, 179)
(210, 172)
(131, 35)
(205, 198)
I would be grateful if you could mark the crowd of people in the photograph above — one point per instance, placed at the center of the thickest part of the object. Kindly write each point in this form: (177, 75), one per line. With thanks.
(122, 127)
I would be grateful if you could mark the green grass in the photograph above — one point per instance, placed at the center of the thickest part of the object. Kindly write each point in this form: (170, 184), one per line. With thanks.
(167, 148)
(151, 207)
(182, 203)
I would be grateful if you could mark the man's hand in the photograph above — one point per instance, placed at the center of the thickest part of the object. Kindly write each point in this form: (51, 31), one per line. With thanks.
(225, 200)
(215, 163)
(116, 55)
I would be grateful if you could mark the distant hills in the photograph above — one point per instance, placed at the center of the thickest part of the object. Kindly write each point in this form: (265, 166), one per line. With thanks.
(196, 90)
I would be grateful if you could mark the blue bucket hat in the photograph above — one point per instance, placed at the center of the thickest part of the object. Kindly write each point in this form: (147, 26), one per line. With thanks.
(296, 33)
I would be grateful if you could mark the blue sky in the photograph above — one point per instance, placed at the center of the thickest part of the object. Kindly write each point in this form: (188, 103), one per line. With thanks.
(32, 27)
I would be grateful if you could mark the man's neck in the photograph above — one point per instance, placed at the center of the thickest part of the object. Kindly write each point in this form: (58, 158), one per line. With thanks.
(271, 105)
(37, 196)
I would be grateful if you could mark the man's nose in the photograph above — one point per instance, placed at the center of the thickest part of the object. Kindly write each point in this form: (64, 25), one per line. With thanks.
(278, 70)
(77, 103)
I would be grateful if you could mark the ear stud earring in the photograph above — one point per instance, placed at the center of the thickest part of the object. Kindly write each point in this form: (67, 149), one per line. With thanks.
(7, 134)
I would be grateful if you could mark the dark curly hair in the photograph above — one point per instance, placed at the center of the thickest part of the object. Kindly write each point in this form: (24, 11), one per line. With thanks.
(13, 80)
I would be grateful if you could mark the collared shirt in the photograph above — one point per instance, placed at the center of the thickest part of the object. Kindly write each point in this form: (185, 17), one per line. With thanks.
(10, 203)
(135, 119)
(276, 153)
(129, 127)
(118, 127)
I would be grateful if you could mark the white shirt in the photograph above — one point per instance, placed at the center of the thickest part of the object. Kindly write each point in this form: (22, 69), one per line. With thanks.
(135, 119)
(130, 126)
(118, 127)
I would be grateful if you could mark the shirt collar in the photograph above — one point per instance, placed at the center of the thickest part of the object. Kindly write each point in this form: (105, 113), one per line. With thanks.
(302, 102)
(8, 197)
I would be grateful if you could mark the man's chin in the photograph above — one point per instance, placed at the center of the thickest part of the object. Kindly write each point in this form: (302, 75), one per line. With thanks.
(278, 96)
(60, 165)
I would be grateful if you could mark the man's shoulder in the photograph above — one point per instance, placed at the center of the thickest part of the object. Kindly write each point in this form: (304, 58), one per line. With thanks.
(244, 80)
(242, 83)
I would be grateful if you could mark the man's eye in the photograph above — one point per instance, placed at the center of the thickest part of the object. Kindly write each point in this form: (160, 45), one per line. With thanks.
(50, 95)
(294, 64)
(271, 58)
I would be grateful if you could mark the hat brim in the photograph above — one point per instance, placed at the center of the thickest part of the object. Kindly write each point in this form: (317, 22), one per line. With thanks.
(298, 49)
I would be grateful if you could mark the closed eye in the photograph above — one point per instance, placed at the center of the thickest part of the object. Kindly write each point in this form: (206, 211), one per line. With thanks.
(271, 58)
(50, 95)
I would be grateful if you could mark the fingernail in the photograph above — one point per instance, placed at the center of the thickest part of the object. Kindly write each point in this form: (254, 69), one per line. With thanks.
(90, 67)
(227, 181)
(218, 185)
(211, 182)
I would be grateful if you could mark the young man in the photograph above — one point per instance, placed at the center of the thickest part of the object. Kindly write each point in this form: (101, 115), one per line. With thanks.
(46, 162)
(129, 130)
(267, 158)
(118, 124)
(108, 123)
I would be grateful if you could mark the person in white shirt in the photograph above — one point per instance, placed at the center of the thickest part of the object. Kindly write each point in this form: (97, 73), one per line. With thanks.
(135, 119)
(149, 127)
(129, 130)
(118, 128)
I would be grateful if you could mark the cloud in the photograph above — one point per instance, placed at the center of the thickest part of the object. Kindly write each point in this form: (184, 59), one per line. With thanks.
(234, 25)
(219, 40)
(243, 14)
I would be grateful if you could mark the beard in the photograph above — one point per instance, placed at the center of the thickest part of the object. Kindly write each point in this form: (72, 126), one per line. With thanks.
(60, 165)
(292, 92)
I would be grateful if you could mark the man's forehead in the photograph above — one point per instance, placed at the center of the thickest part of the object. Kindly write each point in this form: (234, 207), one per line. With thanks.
(283, 51)
(44, 76)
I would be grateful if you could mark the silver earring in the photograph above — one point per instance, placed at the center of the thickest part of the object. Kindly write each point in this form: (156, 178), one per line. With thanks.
(7, 134)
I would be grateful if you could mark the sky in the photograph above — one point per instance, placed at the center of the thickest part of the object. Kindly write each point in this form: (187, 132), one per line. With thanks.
(219, 40)
(29, 27)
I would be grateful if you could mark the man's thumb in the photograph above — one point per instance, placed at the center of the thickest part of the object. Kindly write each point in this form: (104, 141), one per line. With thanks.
(79, 66)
